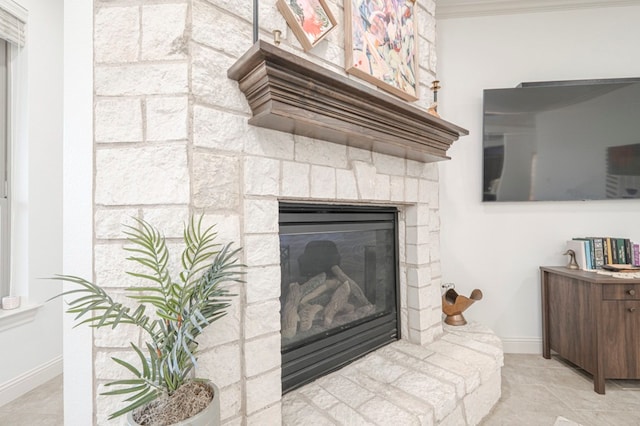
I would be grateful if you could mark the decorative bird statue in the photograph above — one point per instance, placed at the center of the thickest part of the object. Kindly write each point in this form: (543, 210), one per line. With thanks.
(572, 259)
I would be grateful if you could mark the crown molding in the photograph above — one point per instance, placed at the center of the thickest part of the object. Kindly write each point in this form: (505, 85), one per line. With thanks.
(446, 9)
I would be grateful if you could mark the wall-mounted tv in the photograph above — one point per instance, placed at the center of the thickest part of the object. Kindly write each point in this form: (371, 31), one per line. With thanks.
(559, 141)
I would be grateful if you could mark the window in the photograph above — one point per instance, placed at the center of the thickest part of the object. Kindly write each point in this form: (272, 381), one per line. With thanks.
(5, 222)
(12, 38)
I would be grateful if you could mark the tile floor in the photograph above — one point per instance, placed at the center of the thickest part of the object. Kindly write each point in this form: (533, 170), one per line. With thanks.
(535, 391)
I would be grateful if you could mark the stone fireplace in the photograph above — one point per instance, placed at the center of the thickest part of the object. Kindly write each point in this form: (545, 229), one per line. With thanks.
(172, 138)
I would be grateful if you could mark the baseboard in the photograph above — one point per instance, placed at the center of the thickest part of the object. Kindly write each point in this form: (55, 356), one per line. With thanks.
(522, 345)
(30, 380)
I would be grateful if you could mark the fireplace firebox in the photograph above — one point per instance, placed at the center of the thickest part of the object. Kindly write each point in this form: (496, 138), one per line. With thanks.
(339, 269)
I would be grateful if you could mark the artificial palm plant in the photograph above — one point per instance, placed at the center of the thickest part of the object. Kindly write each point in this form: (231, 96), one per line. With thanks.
(182, 305)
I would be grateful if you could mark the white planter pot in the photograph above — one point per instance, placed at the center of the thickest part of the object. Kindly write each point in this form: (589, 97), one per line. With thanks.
(210, 416)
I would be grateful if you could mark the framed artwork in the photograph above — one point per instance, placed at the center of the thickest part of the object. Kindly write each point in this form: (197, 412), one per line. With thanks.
(310, 20)
(381, 44)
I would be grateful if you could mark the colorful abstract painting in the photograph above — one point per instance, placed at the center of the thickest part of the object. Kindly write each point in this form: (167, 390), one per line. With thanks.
(310, 20)
(381, 44)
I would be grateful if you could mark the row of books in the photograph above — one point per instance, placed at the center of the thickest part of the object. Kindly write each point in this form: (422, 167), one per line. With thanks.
(596, 252)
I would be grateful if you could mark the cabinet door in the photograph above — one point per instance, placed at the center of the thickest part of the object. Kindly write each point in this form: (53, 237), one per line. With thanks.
(621, 339)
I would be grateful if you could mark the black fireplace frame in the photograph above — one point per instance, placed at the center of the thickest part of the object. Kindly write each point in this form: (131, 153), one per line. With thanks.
(306, 361)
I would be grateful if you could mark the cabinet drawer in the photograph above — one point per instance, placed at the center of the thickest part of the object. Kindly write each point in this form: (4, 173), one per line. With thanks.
(621, 292)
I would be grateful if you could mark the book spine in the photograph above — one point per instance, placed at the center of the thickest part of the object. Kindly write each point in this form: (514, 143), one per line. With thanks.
(609, 251)
(628, 251)
(598, 252)
(614, 251)
(622, 257)
(636, 254)
(606, 249)
(589, 254)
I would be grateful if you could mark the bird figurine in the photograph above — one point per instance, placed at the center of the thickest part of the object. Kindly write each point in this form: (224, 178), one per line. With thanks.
(572, 259)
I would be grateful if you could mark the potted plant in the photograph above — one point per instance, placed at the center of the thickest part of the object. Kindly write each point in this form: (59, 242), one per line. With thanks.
(163, 389)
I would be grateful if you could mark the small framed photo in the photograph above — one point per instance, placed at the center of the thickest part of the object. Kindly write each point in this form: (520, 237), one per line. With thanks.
(381, 44)
(310, 20)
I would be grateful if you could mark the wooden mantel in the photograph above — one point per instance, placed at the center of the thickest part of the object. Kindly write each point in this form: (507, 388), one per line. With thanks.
(293, 95)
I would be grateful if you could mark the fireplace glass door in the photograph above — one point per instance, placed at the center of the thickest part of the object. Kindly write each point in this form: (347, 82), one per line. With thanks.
(338, 286)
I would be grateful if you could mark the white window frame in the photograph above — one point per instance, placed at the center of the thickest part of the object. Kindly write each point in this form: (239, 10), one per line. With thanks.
(12, 23)
(5, 169)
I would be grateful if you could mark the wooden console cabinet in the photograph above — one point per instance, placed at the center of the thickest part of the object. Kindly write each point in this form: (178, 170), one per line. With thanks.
(592, 320)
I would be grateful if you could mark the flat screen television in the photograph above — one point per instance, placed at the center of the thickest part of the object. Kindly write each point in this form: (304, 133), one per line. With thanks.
(559, 141)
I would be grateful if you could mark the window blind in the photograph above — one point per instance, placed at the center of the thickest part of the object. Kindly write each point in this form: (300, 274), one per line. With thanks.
(11, 28)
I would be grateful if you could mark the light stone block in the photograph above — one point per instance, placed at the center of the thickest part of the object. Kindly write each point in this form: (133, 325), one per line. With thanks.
(478, 404)
(230, 401)
(418, 234)
(295, 179)
(366, 179)
(167, 118)
(455, 418)
(396, 188)
(225, 329)
(227, 228)
(434, 220)
(262, 354)
(263, 283)
(109, 224)
(322, 153)
(218, 129)
(220, 364)
(118, 120)
(389, 165)
(441, 396)
(383, 412)
(296, 411)
(163, 31)
(216, 181)
(107, 404)
(169, 220)
(262, 250)
(346, 415)
(269, 143)
(141, 79)
(209, 81)
(149, 175)
(270, 416)
(420, 298)
(418, 254)
(107, 369)
(346, 188)
(486, 365)
(261, 176)
(111, 264)
(116, 34)
(262, 318)
(359, 154)
(420, 319)
(411, 190)
(106, 337)
(263, 391)
(213, 28)
(323, 182)
(419, 276)
(261, 216)
(382, 188)
(469, 342)
(427, 25)
(434, 247)
(319, 396)
(417, 214)
(345, 390)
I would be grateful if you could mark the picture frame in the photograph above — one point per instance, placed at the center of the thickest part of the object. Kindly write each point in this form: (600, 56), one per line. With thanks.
(381, 45)
(310, 20)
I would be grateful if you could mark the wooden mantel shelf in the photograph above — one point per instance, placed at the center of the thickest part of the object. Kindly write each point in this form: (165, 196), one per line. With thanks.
(293, 95)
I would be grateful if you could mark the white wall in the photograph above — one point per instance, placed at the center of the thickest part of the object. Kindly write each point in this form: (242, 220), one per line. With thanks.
(31, 353)
(498, 247)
